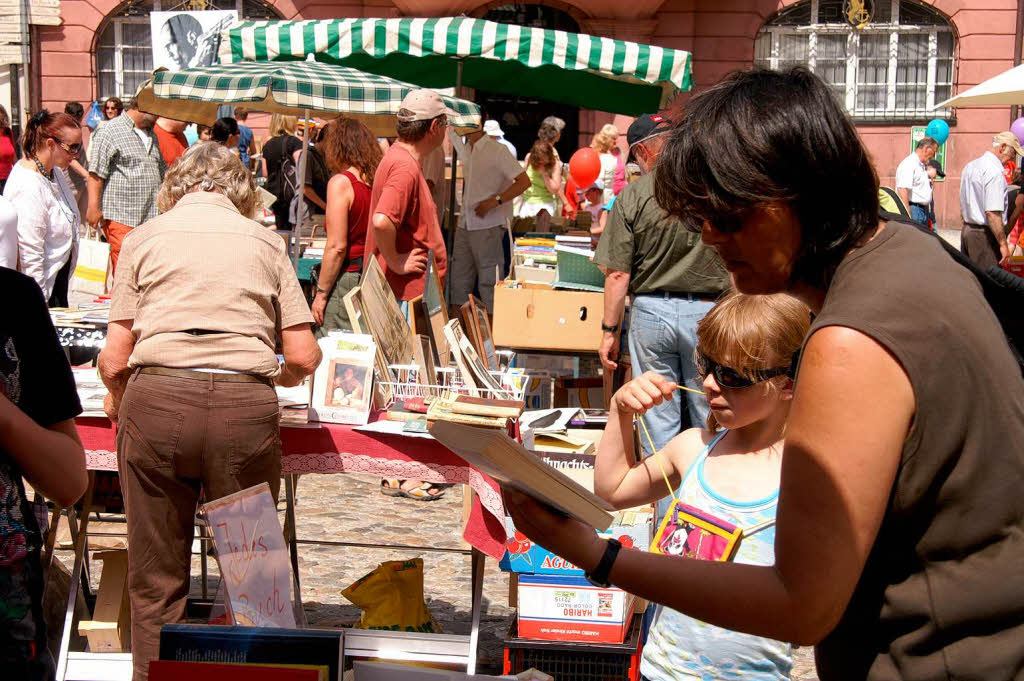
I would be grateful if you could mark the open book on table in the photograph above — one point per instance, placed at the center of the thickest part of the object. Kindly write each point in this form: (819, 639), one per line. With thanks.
(496, 454)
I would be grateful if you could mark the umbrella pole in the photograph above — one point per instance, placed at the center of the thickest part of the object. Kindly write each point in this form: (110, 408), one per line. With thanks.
(301, 207)
(452, 226)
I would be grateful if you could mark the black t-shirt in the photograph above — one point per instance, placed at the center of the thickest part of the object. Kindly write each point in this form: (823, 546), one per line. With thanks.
(35, 377)
(275, 151)
(317, 177)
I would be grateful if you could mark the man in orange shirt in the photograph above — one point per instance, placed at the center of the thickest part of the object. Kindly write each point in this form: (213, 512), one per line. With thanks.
(403, 223)
(170, 135)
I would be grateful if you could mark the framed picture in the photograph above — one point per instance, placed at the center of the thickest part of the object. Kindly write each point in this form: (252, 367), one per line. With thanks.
(482, 328)
(354, 306)
(343, 383)
(423, 353)
(437, 311)
(691, 533)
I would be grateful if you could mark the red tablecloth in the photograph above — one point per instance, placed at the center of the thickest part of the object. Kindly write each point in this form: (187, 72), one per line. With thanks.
(332, 448)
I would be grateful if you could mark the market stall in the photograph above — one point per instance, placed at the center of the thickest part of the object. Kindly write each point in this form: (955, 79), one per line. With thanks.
(328, 449)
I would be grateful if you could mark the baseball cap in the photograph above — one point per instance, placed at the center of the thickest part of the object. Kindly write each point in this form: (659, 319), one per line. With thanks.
(647, 125)
(938, 168)
(422, 105)
(597, 184)
(1008, 138)
(493, 128)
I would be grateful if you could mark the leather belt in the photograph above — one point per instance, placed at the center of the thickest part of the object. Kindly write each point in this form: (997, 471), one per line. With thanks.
(206, 375)
(677, 295)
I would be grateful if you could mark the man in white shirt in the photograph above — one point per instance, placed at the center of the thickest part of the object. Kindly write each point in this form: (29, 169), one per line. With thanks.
(983, 203)
(493, 178)
(983, 189)
(493, 129)
(912, 181)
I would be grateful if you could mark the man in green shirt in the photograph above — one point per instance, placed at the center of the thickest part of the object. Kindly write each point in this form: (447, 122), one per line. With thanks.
(673, 278)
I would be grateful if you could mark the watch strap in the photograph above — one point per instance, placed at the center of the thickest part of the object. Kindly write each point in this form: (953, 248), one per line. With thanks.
(600, 576)
(609, 328)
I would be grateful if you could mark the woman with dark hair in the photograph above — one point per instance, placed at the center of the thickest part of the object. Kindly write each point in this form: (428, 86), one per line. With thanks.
(8, 155)
(899, 539)
(225, 131)
(48, 216)
(112, 108)
(352, 152)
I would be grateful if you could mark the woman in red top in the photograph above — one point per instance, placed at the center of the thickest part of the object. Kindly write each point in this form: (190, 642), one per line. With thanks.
(353, 154)
(7, 155)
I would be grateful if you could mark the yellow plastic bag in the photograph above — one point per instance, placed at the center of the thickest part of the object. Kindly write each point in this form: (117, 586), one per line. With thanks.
(391, 598)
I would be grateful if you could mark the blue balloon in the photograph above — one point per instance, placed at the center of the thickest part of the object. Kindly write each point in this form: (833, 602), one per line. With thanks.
(938, 130)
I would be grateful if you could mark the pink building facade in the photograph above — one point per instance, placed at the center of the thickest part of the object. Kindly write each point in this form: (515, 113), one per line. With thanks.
(910, 55)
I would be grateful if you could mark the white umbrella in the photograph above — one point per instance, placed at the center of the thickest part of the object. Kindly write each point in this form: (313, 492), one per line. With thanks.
(1006, 89)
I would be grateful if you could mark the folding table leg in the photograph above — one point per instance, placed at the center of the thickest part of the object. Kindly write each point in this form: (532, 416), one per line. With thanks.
(291, 536)
(477, 605)
(81, 539)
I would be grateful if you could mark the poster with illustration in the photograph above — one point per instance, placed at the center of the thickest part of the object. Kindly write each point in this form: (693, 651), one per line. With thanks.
(691, 533)
(343, 383)
(184, 40)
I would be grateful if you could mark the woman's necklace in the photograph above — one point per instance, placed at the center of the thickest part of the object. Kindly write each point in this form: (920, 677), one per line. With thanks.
(42, 169)
(62, 201)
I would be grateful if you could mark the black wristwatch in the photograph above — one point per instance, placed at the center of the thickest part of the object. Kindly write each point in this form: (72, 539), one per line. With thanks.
(599, 577)
(610, 329)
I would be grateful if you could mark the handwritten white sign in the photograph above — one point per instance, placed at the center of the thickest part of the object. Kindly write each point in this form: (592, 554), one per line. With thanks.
(253, 558)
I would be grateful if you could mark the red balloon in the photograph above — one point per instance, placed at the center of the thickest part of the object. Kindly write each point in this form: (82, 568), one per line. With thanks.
(585, 167)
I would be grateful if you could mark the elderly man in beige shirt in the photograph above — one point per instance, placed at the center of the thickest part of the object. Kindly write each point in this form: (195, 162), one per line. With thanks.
(202, 300)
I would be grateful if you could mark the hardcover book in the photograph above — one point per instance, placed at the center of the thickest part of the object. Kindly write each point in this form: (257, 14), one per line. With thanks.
(499, 456)
(254, 645)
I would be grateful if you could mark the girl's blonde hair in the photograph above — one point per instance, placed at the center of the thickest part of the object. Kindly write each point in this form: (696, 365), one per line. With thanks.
(281, 124)
(209, 167)
(753, 332)
(605, 139)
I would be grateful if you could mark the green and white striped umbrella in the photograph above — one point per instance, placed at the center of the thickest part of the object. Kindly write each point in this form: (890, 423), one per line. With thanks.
(292, 88)
(573, 68)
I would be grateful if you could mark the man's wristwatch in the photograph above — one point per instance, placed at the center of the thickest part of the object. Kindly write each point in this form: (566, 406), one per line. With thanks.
(497, 197)
(326, 292)
(610, 329)
(600, 576)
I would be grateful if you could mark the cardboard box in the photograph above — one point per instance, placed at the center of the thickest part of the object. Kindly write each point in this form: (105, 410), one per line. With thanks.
(546, 319)
(110, 629)
(633, 529)
(572, 609)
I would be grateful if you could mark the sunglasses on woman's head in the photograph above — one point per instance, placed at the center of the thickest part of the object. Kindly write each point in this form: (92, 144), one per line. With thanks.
(727, 377)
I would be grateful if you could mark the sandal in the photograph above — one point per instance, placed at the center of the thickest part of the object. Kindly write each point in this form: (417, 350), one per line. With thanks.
(422, 492)
(391, 487)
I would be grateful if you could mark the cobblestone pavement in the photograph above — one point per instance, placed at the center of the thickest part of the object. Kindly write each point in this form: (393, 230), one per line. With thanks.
(349, 508)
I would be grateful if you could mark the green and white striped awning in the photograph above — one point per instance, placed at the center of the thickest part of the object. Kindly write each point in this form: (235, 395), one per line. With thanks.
(290, 88)
(573, 68)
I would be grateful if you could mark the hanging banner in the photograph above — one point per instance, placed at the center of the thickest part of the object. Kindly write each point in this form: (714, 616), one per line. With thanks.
(183, 40)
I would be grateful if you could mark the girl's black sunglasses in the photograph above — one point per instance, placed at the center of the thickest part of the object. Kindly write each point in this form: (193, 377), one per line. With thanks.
(728, 377)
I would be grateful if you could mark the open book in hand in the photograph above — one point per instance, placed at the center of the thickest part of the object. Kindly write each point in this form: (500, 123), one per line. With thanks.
(496, 454)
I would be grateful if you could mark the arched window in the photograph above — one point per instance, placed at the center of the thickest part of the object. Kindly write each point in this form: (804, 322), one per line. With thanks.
(896, 68)
(124, 52)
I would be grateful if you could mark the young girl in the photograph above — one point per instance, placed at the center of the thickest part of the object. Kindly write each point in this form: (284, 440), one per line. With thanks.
(729, 470)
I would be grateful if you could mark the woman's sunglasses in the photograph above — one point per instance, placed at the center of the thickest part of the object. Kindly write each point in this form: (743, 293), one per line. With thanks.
(72, 149)
(727, 377)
